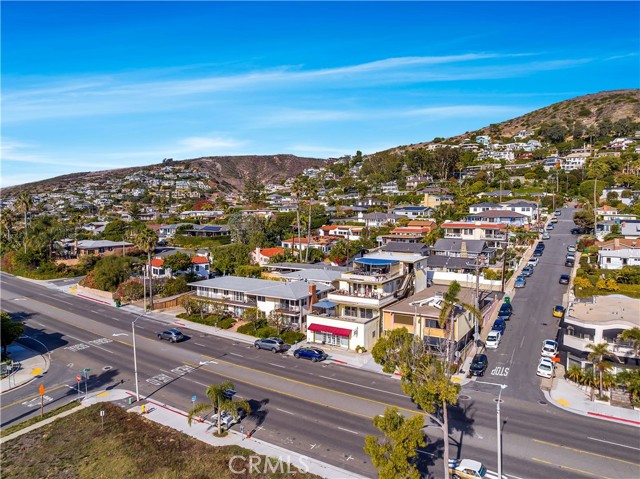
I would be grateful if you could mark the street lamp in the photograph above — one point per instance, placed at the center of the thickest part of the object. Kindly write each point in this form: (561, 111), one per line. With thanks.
(499, 432)
(135, 358)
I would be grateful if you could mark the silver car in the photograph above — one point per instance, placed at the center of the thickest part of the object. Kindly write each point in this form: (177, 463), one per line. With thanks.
(272, 344)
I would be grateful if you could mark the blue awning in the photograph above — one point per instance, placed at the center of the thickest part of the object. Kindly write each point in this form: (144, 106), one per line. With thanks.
(324, 304)
(376, 261)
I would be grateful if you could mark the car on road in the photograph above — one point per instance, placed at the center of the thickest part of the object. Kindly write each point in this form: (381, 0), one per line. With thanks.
(493, 339)
(549, 227)
(314, 354)
(558, 311)
(272, 344)
(527, 271)
(499, 325)
(545, 368)
(520, 282)
(505, 309)
(479, 365)
(470, 469)
(171, 335)
(541, 245)
(569, 262)
(564, 279)
(546, 236)
(549, 348)
(577, 231)
(537, 252)
(533, 262)
(553, 220)
(571, 248)
(557, 212)
(227, 419)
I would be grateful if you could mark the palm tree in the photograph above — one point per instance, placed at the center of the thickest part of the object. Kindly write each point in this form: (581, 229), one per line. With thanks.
(311, 190)
(296, 190)
(24, 204)
(221, 401)
(6, 222)
(632, 336)
(575, 373)
(600, 352)
(147, 240)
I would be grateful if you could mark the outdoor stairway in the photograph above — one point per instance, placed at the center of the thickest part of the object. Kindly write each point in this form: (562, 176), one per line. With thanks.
(620, 398)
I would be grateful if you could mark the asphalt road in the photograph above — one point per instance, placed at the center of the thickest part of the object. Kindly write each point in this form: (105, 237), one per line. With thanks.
(323, 410)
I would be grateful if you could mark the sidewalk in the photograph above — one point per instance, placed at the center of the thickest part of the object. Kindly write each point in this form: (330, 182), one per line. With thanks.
(568, 396)
(176, 419)
(29, 365)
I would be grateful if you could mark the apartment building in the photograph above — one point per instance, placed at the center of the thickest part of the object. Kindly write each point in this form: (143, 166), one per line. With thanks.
(495, 234)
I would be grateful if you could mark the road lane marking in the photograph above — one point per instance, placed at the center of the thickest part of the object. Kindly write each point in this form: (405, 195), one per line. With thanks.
(581, 451)
(521, 344)
(19, 401)
(282, 410)
(363, 386)
(570, 468)
(278, 365)
(348, 430)
(199, 344)
(236, 354)
(614, 443)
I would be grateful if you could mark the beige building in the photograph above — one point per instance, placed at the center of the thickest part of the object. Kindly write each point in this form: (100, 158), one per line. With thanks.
(434, 201)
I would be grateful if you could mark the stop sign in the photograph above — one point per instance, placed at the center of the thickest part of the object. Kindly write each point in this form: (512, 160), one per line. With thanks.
(78, 378)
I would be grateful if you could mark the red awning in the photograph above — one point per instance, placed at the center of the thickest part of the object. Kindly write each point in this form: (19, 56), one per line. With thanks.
(321, 328)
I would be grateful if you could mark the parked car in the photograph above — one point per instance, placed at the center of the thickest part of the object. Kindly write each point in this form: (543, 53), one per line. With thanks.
(520, 282)
(557, 212)
(537, 252)
(493, 339)
(577, 231)
(314, 354)
(541, 245)
(571, 248)
(564, 279)
(227, 419)
(533, 262)
(505, 309)
(553, 220)
(558, 311)
(571, 256)
(470, 469)
(549, 226)
(527, 271)
(546, 236)
(569, 262)
(499, 325)
(272, 344)
(171, 335)
(545, 368)
(549, 348)
(479, 365)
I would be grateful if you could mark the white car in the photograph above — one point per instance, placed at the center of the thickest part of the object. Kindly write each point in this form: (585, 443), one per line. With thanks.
(571, 248)
(549, 348)
(493, 339)
(545, 368)
(533, 262)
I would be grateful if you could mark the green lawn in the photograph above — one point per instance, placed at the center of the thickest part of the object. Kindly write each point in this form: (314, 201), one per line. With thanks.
(631, 290)
(129, 446)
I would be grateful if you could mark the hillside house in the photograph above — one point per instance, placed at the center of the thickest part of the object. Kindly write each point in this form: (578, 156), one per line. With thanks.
(262, 256)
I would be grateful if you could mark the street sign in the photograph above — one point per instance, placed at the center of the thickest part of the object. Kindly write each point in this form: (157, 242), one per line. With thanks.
(78, 378)
(41, 388)
(193, 398)
(102, 413)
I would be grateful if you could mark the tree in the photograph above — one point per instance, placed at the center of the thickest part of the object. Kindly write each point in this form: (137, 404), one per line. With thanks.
(253, 189)
(6, 222)
(115, 230)
(110, 271)
(277, 320)
(554, 132)
(584, 218)
(297, 188)
(394, 455)
(11, 330)
(147, 240)
(135, 211)
(424, 377)
(24, 204)
(254, 316)
(311, 191)
(631, 336)
(220, 401)
(178, 261)
(599, 353)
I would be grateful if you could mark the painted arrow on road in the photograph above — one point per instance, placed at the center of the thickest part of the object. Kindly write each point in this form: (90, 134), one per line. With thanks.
(119, 334)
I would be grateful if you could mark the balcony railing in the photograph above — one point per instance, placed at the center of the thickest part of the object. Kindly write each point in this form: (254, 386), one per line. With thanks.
(363, 276)
(230, 299)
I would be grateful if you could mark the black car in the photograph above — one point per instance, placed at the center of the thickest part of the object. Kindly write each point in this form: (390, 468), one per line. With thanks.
(479, 365)
(540, 245)
(505, 311)
(538, 252)
(564, 279)
(577, 231)
(569, 262)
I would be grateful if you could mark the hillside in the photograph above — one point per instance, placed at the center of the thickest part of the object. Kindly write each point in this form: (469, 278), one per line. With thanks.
(590, 110)
(226, 173)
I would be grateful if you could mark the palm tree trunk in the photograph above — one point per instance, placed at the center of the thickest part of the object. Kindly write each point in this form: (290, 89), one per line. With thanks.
(445, 434)
(150, 282)
(299, 240)
(25, 232)
(600, 375)
(306, 256)
(219, 420)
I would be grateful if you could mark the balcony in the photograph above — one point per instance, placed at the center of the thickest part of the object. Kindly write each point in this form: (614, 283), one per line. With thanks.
(227, 299)
(365, 277)
(348, 319)
(286, 309)
(375, 299)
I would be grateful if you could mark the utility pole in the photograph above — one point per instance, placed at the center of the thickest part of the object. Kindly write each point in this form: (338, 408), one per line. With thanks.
(477, 265)
(595, 206)
(504, 261)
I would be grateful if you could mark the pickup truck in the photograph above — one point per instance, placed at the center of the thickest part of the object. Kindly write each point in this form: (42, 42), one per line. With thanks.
(470, 469)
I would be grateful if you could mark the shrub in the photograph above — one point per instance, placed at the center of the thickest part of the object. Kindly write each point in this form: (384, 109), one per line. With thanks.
(226, 323)
(266, 332)
(292, 337)
(174, 286)
(249, 271)
(582, 282)
(247, 329)
(130, 290)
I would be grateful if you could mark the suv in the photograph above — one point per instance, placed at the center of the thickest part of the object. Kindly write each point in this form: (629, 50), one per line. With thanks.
(505, 311)
(479, 365)
(520, 282)
(533, 261)
(171, 335)
(315, 354)
(493, 339)
(272, 344)
(499, 325)
(527, 270)
(570, 262)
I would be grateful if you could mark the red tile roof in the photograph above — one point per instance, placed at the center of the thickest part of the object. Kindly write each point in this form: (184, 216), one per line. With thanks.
(157, 262)
(199, 260)
(269, 252)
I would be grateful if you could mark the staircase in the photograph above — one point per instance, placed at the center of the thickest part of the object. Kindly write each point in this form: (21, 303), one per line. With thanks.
(620, 398)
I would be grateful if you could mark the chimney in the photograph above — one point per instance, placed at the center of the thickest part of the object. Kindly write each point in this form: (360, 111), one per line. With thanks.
(616, 244)
(463, 249)
(313, 296)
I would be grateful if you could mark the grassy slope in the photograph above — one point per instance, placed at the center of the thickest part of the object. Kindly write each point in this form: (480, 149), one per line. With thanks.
(128, 447)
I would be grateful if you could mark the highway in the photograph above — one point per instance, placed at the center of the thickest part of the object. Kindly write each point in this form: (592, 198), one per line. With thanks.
(322, 410)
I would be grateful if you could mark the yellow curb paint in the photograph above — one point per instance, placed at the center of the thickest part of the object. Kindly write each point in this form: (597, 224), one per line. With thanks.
(562, 402)
(455, 380)
(106, 393)
(36, 371)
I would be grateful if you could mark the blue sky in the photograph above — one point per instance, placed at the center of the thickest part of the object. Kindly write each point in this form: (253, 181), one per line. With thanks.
(99, 85)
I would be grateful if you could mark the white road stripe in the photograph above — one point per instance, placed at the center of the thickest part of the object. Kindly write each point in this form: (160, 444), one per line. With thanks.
(277, 365)
(282, 410)
(614, 443)
(363, 386)
(199, 344)
(236, 354)
(348, 430)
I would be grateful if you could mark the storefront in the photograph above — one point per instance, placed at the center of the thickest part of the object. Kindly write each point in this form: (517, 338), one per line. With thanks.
(329, 335)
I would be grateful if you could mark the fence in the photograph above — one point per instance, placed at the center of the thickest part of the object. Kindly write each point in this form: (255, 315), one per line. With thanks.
(170, 302)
